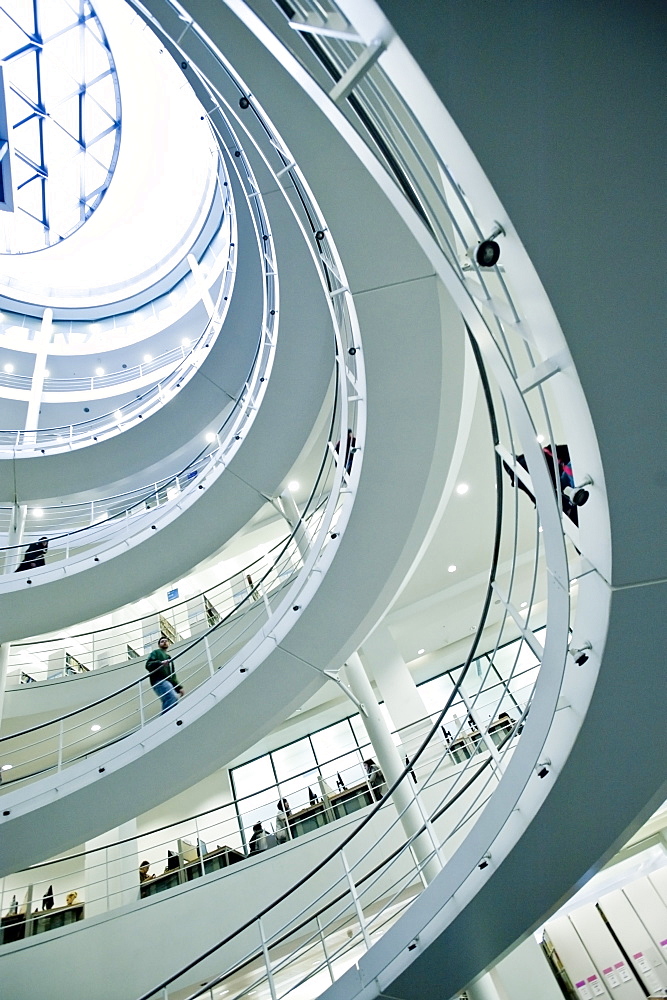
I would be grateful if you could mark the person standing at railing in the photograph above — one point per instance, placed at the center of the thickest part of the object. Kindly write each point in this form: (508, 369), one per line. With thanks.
(375, 778)
(283, 832)
(259, 840)
(35, 555)
(162, 676)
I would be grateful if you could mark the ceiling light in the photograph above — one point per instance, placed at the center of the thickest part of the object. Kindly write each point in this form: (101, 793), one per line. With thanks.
(37, 512)
(6, 767)
(185, 342)
(462, 488)
(540, 438)
(148, 357)
(99, 371)
(293, 486)
(46, 373)
(210, 436)
(451, 569)
(95, 728)
(420, 651)
(524, 604)
(540, 529)
(117, 414)
(9, 369)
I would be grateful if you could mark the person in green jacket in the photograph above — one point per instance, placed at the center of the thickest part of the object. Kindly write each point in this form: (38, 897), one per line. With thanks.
(162, 676)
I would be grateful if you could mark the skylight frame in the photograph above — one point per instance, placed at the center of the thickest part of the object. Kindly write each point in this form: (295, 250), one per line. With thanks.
(36, 180)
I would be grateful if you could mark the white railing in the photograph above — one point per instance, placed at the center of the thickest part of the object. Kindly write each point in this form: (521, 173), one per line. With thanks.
(340, 788)
(101, 530)
(358, 80)
(301, 562)
(119, 646)
(183, 363)
(53, 745)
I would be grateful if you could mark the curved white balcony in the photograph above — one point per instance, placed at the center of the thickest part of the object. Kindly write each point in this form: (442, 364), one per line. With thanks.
(504, 840)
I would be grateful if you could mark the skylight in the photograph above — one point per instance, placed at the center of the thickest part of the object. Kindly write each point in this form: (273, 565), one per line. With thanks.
(62, 118)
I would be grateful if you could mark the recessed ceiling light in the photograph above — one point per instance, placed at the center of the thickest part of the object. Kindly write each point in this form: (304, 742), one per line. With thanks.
(293, 486)
(185, 342)
(6, 767)
(9, 369)
(451, 569)
(117, 414)
(99, 371)
(540, 438)
(95, 728)
(420, 651)
(37, 512)
(540, 529)
(210, 436)
(462, 488)
(148, 357)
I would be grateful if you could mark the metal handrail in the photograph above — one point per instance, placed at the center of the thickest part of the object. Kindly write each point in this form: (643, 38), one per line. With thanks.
(242, 413)
(243, 605)
(504, 360)
(334, 469)
(48, 871)
(85, 432)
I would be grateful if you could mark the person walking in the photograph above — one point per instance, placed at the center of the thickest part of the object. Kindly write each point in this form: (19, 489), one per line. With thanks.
(162, 676)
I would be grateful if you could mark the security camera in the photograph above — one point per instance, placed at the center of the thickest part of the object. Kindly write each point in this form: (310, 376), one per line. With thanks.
(487, 252)
(577, 494)
(580, 655)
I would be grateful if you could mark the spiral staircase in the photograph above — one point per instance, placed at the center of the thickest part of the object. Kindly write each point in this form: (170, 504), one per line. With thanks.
(374, 203)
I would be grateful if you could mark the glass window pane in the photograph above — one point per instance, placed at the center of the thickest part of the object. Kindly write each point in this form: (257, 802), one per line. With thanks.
(360, 733)
(252, 777)
(293, 760)
(350, 768)
(522, 686)
(332, 742)
(435, 693)
(516, 656)
(259, 809)
(296, 790)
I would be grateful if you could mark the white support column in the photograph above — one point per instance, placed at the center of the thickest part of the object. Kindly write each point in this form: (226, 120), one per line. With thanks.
(43, 339)
(391, 765)
(384, 663)
(293, 517)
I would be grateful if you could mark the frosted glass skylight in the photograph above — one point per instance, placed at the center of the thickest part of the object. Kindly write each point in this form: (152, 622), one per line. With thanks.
(63, 116)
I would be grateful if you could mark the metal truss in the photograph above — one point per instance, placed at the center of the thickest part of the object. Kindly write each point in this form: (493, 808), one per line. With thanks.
(63, 118)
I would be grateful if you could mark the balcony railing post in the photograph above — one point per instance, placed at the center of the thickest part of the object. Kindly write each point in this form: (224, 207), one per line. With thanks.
(199, 841)
(355, 899)
(324, 948)
(61, 737)
(209, 658)
(267, 961)
(142, 719)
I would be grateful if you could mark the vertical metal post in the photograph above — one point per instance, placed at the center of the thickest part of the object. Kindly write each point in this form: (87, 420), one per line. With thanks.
(267, 961)
(209, 658)
(201, 858)
(355, 899)
(324, 948)
(61, 736)
(142, 720)
(486, 739)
